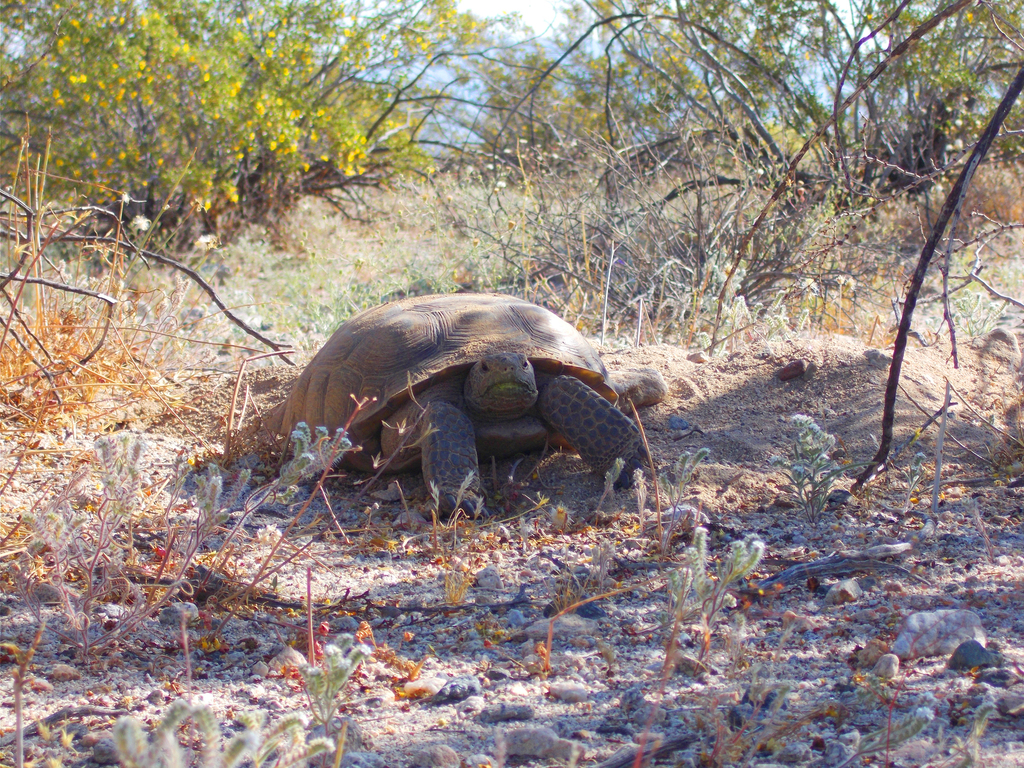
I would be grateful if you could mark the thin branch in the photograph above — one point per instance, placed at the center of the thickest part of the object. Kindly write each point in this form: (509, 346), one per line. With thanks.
(953, 204)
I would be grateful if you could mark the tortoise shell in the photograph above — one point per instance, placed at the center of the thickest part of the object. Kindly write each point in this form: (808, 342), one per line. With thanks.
(382, 354)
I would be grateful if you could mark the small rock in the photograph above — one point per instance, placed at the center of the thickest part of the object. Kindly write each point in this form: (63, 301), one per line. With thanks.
(479, 761)
(260, 669)
(572, 693)
(424, 686)
(347, 624)
(1011, 705)
(104, 752)
(354, 739)
(362, 760)
(845, 591)
(998, 678)
(971, 654)
(794, 753)
(46, 593)
(877, 359)
(698, 357)
(92, 738)
(489, 578)
(436, 756)
(936, 633)
(538, 742)
(792, 370)
(457, 689)
(472, 705)
(678, 422)
(171, 615)
(515, 618)
(887, 666)
(566, 627)
(391, 493)
(61, 673)
(840, 497)
(872, 651)
(286, 658)
(501, 713)
(40, 686)
(837, 753)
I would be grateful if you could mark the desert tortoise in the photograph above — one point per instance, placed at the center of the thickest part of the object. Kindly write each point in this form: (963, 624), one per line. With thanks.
(447, 377)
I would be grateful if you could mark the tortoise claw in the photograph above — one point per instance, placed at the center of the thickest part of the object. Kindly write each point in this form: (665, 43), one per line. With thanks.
(471, 506)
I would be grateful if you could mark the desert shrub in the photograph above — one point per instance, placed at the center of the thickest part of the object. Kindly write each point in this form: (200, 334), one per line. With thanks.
(225, 105)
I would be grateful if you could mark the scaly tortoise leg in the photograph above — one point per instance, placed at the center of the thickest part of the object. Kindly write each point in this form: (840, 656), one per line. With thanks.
(593, 426)
(448, 446)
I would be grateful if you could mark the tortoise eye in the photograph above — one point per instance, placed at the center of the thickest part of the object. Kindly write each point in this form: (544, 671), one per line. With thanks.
(483, 367)
(526, 363)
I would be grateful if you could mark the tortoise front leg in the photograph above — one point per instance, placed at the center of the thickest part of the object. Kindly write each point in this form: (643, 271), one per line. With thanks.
(593, 426)
(448, 446)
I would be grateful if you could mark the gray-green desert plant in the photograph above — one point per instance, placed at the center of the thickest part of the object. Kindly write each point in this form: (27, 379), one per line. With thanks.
(975, 313)
(809, 467)
(282, 745)
(697, 591)
(325, 683)
(85, 543)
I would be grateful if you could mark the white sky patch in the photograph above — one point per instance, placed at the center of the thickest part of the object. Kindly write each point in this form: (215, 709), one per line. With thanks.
(536, 13)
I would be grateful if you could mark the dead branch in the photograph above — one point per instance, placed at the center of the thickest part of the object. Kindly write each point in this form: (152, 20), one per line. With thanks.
(952, 205)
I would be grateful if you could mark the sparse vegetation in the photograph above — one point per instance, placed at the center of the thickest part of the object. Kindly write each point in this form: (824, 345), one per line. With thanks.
(809, 468)
(183, 184)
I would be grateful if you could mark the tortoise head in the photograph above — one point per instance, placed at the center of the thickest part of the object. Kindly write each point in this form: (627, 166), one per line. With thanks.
(501, 386)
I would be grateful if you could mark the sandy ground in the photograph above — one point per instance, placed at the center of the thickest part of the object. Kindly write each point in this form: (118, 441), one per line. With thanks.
(374, 568)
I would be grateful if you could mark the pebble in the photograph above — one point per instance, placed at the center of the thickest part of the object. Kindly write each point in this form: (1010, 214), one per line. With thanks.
(936, 633)
(489, 578)
(877, 359)
(1011, 705)
(794, 753)
(362, 760)
(572, 693)
(678, 422)
(104, 752)
(347, 624)
(538, 742)
(567, 627)
(479, 761)
(171, 615)
(500, 713)
(845, 591)
(971, 654)
(698, 357)
(260, 669)
(515, 618)
(458, 689)
(472, 705)
(872, 651)
(436, 756)
(46, 593)
(424, 686)
(998, 678)
(887, 666)
(286, 658)
(61, 673)
(792, 370)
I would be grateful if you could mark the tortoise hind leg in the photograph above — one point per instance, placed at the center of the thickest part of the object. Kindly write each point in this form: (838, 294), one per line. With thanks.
(448, 446)
(593, 426)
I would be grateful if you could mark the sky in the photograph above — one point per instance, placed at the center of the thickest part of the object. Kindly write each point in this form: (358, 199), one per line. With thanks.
(537, 13)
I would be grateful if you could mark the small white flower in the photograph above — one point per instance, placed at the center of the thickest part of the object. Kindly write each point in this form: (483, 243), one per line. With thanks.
(207, 242)
(141, 223)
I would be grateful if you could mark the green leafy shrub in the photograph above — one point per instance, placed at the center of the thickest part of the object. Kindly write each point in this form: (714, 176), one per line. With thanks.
(224, 104)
